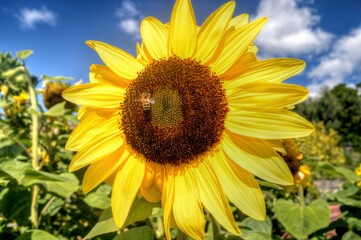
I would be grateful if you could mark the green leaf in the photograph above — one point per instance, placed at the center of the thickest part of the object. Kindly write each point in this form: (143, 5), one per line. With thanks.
(4, 103)
(302, 221)
(104, 225)
(36, 235)
(64, 188)
(250, 225)
(56, 78)
(24, 54)
(97, 200)
(34, 177)
(349, 202)
(54, 207)
(56, 110)
(348, 174)
(15, 169)
(15, 205)
(255, 236)
(144, 233)
(140, 210)
(351, 236)
(351, 190)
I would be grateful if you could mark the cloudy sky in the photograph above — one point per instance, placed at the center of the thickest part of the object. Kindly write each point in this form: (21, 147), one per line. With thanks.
(325, 33)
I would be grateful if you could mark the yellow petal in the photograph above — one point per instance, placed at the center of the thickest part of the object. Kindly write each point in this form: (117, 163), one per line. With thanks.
(89, 128)
(212, 31)
(258, 157)
(187, 208)
(267, 123)
(240, 66)
(155, 36)
(239, 21)
(151, 194)
(95, 95)
(119, 61)
(103, 74)
(182, 30)
(240, 187)
(96, 149)
(81, 112)
(99, 171)
(271, 95)
(167, 200)
(236, 44)
(273, 70)
(213, 197)
(125, 188)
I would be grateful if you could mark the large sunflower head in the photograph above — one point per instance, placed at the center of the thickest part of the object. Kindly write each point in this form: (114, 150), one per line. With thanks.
(189, 121)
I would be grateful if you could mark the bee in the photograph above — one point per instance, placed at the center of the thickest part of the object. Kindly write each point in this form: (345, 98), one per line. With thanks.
(146, 100)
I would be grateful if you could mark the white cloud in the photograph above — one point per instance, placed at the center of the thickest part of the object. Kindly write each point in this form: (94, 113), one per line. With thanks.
(29, 18)
(291, 29)
(130, 18)
(341, 63)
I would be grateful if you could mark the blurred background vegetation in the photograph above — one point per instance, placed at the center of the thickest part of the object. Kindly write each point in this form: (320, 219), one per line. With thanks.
(39, 199)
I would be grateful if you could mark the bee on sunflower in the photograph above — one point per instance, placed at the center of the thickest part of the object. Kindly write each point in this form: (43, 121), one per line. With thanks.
(189, 121)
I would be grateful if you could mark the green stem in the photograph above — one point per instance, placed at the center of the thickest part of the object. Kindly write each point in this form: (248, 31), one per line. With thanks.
(34, 151)
(34, 206)
(301, 198)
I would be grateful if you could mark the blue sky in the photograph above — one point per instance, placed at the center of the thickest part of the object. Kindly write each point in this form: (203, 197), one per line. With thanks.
(325, 33)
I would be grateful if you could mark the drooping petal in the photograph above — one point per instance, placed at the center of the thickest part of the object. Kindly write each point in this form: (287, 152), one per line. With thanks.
(155, 35)
(151, 194)
(182, 30)
(236, 44)
(187, 208)
(96, 95)
(258, 157)
(213, 197)
(125, 188)
(167, 200)
(273, 70)
(267, 123)
(99, 171)
(103, 74)
(96, 149)
(148, 188)
(269, 95)
(89, 127)
(119, 61)
(212, 31)
(240, 187)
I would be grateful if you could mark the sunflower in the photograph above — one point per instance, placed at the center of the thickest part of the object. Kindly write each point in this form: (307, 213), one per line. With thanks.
(189, 121)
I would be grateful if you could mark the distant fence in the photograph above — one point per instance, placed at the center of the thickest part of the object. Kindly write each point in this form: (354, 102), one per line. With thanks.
(327, 185)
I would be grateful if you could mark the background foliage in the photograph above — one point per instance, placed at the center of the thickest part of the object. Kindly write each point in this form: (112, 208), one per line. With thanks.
(39, 199)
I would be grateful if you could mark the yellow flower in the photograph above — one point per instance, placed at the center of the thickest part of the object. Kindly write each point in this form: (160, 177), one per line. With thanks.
(358, 173)
(189, 121)
(292, 156)
(22, 97)
(303, 176)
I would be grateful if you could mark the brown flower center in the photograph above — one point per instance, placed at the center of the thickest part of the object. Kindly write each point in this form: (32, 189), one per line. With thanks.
(174, 111)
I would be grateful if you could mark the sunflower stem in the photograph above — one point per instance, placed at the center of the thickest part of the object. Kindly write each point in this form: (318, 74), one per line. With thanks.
(34, 150)
(301, 196)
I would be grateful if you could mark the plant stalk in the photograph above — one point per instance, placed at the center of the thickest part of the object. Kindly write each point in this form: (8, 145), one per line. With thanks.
(34, 151)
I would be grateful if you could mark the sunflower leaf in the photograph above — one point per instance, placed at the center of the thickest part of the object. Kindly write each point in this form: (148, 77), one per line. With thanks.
(144, 233)
(302, 221)
(37, 234)
(24, 54)
(140, 210)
